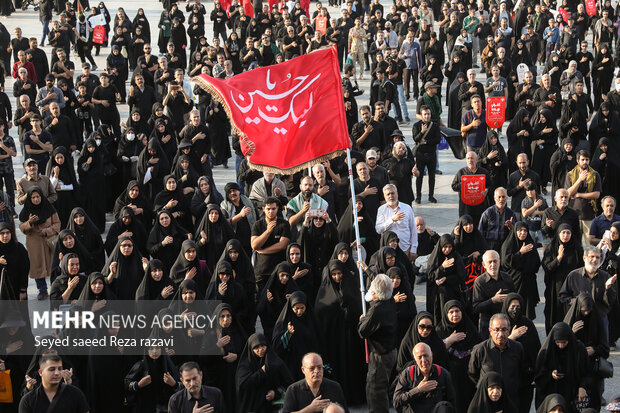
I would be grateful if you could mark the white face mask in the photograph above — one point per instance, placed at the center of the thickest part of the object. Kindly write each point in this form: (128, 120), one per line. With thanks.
(98, 142)
(130, 136)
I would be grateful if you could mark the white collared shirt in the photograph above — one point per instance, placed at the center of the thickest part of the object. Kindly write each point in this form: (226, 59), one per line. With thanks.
(405, 228)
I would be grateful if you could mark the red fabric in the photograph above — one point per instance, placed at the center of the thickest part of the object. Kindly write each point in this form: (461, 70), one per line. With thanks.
(271, 4)
(225, 5)
(321, 24)
(32, 74)
(471, 189)
(590, 7)
(98, 34)
(247, 6)
(305, 4)
(290, 114)
(496, 111)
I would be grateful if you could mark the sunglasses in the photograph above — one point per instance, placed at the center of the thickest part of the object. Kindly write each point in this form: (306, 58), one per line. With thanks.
(425, 326)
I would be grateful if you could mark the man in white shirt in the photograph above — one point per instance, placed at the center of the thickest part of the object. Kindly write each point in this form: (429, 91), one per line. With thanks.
(399, 218)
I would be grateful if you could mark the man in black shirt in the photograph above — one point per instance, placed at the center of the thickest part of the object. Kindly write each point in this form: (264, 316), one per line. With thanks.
(505, 356)
(52, 395)
(39, 60)
(369, 189)
(270, 237)
(195, 397)
(105, 97)
(559, 214)
(387, 94)
(517, 181)
(427, 136)
(368, 133)
(63, 68)
(147, 63)
(490, 291)
(314, 392)
(61, 128)
(141, 97)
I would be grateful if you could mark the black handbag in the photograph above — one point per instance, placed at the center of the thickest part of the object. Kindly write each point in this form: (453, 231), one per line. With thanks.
(603, 368)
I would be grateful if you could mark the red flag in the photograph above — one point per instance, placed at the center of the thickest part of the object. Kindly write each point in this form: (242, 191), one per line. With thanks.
(290, 115)
(80, 9)
(471, 189)
(248, 7)
(496, 111)
(590, 7)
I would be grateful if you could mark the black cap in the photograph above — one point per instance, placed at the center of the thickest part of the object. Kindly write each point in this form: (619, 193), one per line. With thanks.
(230, 186)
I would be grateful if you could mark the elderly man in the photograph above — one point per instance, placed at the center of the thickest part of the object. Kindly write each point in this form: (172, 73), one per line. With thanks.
(267, 186)
(304, 201)
(472, 168)
(505, 356)
(603, 222)
(378, 326)
(61, 128)
(496, 222)
(33, 178)
(584, 188)
(469, 89)
(593, 281)
(399, 218)
(401, 169)
(326, 189)
(195, 397)
(313, 393)
(490, 290)
(421, 386)
(559, 214)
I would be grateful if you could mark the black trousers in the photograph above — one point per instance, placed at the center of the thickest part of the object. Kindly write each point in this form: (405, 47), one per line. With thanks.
(378, 381)
(409, 75)
(426, 160)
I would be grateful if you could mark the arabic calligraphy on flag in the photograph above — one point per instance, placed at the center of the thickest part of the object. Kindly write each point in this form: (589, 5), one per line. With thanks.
(289, 115)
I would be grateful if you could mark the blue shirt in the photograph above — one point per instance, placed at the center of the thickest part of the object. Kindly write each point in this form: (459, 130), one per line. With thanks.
(601, 224)
(476, 136)
(552, 35)
(492, 223)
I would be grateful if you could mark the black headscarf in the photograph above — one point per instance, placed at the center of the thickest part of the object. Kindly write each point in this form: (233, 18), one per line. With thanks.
(592, 334)
(446, 327)
(217, 234)
(88, 295)
(200, 200)
(244, 272)
(140, 201)
(251, 392)
(552, 401)
(571, 361)
(482, 403)
(67, 172)
(270, 310)
(349, 265)
(292, 347)
(413, 337)
(181, 266)
(466, 243)
(149, 289)
(43, 211)
(13, 275)
(346, 227)
(129, 270)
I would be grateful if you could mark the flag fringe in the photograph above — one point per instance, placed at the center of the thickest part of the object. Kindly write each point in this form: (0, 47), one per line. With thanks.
(215, 93)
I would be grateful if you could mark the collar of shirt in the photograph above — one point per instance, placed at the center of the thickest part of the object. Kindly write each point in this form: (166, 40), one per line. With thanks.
(493, 345)
(585, 275)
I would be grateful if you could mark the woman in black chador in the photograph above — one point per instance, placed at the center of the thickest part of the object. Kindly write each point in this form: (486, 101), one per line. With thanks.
(337, 310)
(295, 333)
(446, 276)
(561, 366)
(460, 335)
(124, 269)
(261, 376)
(165, 239)
(561, 256)
(519, 258)
(87, 232)
(421, 330)
(272, 298)
(491, 396)
(92, 180)
(212, 234)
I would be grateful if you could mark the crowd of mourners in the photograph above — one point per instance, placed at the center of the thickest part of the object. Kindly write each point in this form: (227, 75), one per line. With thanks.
(279, 251)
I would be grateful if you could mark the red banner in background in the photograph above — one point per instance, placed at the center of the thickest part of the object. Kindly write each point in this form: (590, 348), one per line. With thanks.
(290, 115)
(496, 111)
(321, 24)
(471, 189)
(590, 7)
(248, 7)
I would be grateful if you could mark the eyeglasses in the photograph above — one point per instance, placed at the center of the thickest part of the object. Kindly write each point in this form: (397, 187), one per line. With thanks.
(425, 326)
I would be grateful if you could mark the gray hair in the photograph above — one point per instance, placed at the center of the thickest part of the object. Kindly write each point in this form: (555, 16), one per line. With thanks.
(382, 287)
(609, 197)
(490, 253)
(590, 249)
(499, 316)
(390, 186)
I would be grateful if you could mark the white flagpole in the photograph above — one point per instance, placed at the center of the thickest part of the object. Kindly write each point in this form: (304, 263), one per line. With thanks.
(358, 244)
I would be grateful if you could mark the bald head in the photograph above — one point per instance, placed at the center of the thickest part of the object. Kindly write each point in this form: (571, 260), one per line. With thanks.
(334, 408)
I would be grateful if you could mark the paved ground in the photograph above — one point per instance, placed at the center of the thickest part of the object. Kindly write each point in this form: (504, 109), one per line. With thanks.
(440, 217)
